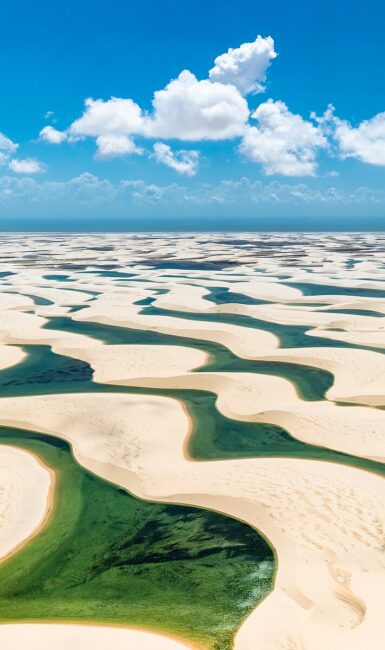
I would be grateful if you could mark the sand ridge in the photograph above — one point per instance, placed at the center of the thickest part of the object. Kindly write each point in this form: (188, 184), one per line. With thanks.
(26, 492)
(325, 520)
(40, 636)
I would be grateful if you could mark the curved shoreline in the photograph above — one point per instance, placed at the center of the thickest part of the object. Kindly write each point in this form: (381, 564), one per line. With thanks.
(323, 358)
(322, 601)
(242, 397)
(123, 616)
(36, 525)
(150, 483)
(33, 635)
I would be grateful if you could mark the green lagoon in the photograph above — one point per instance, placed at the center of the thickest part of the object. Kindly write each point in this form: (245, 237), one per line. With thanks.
(110, 557)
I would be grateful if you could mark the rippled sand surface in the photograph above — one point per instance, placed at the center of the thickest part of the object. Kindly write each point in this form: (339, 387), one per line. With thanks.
(140, 327)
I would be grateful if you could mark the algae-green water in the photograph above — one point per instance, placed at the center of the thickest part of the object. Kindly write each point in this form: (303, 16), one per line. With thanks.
(184, 570)
(289, 336)
(105, 556)
(311, 382)
(214, 435)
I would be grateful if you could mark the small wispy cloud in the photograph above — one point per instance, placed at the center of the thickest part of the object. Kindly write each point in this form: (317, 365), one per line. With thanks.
(183, 161)
(17, 165)
(26, 166)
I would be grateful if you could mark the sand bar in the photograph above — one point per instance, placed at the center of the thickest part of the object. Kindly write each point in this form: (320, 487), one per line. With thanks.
(25, 497)
(40, 636)
(325, 520)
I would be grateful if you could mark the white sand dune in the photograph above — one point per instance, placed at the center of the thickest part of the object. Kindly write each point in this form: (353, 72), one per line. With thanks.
(51, 311)
(10, 356)
(243, 341)
(25, 497)
(325, 520)
(370, 338)
(312, 318)
(261, 289)
(20, 328)
(250, 397)
(185, 297)
(114, 363)
(60, 297)
(361, 330)
(188, 297)
(359, 377)
(359, 374)
(14, 301)
(45, 636)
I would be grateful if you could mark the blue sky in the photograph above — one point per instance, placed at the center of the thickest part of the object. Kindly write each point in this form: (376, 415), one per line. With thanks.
(240, 142)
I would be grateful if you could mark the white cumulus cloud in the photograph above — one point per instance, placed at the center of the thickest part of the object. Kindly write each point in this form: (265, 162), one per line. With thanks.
(114, 116)
(6, 144)
(112, 145)
(283, 143)
(17, 165)
(189, 109)
(182, 161)
(245, 67)
(186, 109)
(25, 166)
(215, 109)
(52, 135)
(110, 122)
(366, 142)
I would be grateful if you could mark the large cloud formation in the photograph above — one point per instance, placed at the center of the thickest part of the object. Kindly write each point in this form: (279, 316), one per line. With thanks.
(187, 109)
(366, 142)
(283, 143)
(245, 67)
(110, 122)
(213, 109)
